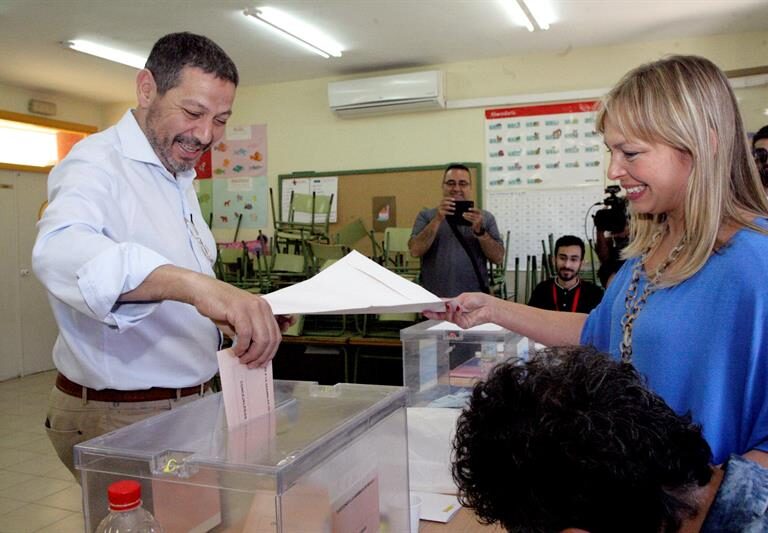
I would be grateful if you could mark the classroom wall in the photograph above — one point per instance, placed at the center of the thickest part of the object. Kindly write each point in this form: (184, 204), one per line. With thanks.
(303, 134)
(68, 109)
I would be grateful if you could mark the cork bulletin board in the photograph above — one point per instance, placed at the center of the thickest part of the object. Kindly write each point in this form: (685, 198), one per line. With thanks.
(413, 188)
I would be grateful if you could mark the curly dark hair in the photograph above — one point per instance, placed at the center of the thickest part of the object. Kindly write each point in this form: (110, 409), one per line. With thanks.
(575, 439)
(173, 52)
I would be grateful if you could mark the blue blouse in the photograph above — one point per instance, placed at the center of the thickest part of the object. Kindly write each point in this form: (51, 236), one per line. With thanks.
(703, 344)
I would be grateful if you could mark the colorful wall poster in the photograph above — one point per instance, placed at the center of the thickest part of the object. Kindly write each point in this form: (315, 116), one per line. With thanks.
(246, 196)
(242, 152)
(203, 166)
(204, 190)
(543, 146)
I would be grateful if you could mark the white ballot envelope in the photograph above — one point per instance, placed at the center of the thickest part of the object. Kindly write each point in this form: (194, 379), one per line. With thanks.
(248, 392)
(353, 285)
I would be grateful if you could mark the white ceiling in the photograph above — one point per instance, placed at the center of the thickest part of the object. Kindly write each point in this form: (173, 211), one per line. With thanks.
(376, 34)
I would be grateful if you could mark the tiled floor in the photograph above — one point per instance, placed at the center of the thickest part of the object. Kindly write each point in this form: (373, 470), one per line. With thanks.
(36, 492)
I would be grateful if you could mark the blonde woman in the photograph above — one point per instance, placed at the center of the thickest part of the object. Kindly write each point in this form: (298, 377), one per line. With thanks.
(690, 307)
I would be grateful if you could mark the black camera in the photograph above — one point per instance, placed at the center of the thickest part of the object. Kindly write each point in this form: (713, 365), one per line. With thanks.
(613, 217)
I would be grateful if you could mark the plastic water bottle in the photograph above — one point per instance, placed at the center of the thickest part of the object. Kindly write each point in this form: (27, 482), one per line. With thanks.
(126, 515)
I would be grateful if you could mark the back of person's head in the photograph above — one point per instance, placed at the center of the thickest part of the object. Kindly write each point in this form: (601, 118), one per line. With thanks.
(569, 240)
(574, 439)
(173, 52)
(686, 102)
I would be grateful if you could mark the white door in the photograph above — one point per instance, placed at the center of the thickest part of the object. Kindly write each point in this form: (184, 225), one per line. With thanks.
(10, 313)
(27, 313)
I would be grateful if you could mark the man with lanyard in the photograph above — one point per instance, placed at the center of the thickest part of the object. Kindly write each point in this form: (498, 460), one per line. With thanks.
(567, 291)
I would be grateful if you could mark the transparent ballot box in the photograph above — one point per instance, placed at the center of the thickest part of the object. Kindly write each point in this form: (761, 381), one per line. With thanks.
(439, 358)
(327, 459)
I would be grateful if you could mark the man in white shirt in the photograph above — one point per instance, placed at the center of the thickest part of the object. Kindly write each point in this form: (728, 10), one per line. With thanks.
(127, 259)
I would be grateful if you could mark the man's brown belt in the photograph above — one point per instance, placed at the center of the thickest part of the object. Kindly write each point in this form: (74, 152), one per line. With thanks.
(111, 395)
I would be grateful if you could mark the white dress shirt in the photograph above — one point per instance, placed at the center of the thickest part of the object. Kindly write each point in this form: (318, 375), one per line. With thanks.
(115, 214)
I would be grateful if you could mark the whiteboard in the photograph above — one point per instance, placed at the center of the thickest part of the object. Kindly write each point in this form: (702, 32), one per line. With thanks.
(531, 215)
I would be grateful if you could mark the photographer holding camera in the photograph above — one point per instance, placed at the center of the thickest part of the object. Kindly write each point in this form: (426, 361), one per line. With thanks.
(454, 248)
(612, 229)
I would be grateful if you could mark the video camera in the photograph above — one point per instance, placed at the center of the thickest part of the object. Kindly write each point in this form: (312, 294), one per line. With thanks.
(613, 217)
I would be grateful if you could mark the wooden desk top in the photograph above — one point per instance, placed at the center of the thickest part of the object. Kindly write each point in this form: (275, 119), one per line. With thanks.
(375, 341)
(463, 522)
(347, 338)
(341, 340)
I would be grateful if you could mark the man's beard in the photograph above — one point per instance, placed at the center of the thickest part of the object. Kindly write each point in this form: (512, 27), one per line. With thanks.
(565, 274)
(164, 147)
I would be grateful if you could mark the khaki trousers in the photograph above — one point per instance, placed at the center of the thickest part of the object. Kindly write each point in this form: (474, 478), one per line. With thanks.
(72, 420)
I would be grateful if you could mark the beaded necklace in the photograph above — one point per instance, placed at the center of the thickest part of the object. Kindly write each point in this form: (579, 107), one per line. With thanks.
(634, 303)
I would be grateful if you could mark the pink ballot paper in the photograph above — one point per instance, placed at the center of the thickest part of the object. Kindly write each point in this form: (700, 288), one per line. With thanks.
(248, 392)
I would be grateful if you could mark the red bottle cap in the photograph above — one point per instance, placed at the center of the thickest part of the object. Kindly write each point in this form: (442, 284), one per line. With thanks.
(124, 495)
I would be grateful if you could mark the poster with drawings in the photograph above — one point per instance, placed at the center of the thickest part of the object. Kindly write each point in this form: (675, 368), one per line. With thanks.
(239, 171)
(322, 186)
(246, 196)
(544, 172)
(242, 152)
(543, 146)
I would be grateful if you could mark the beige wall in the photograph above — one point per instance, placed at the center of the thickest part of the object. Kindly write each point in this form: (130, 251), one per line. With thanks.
(69, 109)
(304, 135)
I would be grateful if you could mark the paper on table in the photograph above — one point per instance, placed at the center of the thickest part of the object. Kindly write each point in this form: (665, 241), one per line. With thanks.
(248, 392)
(353, 285)
(437, 507)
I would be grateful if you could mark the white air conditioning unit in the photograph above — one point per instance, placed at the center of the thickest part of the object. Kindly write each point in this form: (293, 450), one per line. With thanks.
(414, 91)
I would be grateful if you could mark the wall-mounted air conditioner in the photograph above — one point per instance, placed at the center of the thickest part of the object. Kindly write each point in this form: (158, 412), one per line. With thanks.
(414, 91)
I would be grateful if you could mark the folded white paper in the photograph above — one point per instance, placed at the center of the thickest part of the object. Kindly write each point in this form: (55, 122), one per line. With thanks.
(353, 285)
(248, 392)
(437, 507)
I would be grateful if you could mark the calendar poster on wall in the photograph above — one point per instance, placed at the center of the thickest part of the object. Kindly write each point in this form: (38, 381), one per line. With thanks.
(545, 167)
(543, 146)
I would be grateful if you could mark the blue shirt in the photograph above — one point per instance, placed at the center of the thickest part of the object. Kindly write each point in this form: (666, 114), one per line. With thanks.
(115, 214)
(741, 502)
(703, 344)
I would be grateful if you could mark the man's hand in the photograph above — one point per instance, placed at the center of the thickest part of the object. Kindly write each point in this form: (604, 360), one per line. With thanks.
(475, 217)
(243, 316)
(445, 208)
(237, 312)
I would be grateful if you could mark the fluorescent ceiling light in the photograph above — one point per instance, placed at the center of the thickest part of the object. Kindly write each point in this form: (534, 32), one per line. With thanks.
(297, 31)
(533, 14)
(105, 52)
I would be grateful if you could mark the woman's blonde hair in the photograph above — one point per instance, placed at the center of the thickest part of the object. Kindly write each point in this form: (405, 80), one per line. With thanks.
(686, 102)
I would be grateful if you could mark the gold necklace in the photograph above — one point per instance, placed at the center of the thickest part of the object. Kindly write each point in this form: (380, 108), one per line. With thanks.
(634, 303)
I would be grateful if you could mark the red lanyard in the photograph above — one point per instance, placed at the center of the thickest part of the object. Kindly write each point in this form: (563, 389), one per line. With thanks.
(575, 297)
